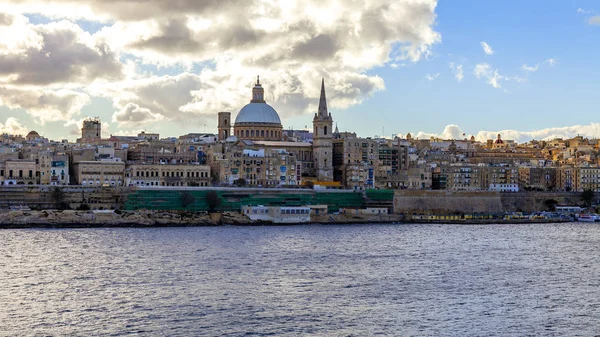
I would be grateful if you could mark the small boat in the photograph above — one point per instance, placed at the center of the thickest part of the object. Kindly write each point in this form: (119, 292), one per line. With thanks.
(588, 218)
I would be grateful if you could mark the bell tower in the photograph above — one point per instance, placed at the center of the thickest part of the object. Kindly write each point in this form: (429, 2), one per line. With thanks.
(323, 139)
(224, 125)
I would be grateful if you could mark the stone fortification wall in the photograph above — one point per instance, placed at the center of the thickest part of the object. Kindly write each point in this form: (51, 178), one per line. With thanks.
(409, 201)
(536, 201)
(44, 197)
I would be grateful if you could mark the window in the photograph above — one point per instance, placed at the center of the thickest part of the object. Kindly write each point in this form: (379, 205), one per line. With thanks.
(252, 133)
(325, 130)
(247, 133)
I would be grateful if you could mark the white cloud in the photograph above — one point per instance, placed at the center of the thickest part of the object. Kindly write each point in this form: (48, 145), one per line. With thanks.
(432, 77)
(583, 11)
(519, 79)
(225, 43)
(484, 71)
(453, 131)
(594, 20)
(135, 115)
(551, 62)
(13, 127)
(44, 105)
(531, 69)
(487, 48)
(457, 70)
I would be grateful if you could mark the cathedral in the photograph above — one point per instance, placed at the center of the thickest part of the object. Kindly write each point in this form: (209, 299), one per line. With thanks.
(257, 127)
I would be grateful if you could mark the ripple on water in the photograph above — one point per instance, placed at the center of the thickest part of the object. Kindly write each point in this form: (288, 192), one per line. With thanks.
(302, 280)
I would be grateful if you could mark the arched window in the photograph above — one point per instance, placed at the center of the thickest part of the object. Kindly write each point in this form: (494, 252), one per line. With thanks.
(271, 133)
(225, 122)
(252, 133)
(325, 130)
(262, 133)
(247, 133)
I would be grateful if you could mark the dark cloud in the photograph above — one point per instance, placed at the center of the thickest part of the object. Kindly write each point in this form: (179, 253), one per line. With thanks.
(322, 47)
(174, 37)
(136, 10)
(62, 58)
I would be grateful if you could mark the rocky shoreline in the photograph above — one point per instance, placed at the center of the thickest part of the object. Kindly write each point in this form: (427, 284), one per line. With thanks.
(97, 219)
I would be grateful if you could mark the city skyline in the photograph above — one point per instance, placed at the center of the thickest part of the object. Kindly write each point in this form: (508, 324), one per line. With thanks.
(425, 67)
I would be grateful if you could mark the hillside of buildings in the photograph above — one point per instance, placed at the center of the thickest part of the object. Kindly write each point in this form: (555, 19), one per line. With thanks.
(254, 150)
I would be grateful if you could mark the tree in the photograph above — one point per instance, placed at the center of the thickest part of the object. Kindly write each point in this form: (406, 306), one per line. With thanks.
(213, 201)
(240, 182)
(83, 207)
(58, 197)
(187, 199)
(551, 204)
(588, 197)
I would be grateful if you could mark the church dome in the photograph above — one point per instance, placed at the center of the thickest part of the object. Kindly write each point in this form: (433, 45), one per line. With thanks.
(32, 135)
(257, 113)
(257, 120)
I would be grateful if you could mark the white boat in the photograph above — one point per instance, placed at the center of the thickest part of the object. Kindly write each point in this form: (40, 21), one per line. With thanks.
(277, 214)
(588, 218)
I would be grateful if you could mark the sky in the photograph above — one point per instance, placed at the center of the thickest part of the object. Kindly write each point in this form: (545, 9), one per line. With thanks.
(448, 68)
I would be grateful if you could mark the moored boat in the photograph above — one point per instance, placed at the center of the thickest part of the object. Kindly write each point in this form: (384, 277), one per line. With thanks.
(588, 218)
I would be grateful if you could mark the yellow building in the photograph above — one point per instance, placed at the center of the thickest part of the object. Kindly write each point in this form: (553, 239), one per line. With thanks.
(589, 179)
(99, 173)
(167, 175)
(19, 172)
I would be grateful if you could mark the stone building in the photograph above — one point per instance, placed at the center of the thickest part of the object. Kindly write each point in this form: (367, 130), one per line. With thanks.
(163, 153)
(167, 175)
(589, 179)
(261, 167)
(91, 131)
(355, 160)
(19, 172)
(537, 178)
(224, 125)
(99, 173)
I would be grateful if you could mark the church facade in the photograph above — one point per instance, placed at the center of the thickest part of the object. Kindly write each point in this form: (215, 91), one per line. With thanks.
(257, 126)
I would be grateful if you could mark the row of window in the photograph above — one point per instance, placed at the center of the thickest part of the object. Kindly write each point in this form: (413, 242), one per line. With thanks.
(11, 174)
(197, 174)
(153, 183)
(258, 133)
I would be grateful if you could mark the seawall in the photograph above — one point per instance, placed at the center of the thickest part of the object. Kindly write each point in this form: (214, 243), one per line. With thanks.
(448, 202)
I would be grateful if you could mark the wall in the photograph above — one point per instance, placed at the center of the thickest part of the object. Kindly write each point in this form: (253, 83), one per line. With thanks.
(427, 201)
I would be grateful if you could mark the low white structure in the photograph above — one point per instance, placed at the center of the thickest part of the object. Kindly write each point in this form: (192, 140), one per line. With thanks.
(504, 187)
(277, 214)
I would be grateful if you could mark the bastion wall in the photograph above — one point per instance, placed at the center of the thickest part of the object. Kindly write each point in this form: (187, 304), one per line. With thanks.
(427, 201)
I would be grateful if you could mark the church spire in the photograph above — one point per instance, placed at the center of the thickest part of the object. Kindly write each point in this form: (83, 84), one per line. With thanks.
(323, 101)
